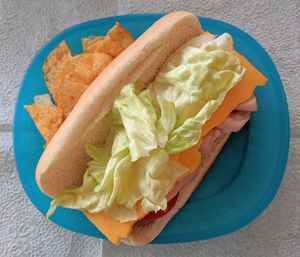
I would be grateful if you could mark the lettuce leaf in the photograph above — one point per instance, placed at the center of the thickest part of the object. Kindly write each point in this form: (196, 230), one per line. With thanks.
(138, 121)
(190, 86)
(187, 134)
(147, 99)
(196, 80)
(166, 122)
(157, 175)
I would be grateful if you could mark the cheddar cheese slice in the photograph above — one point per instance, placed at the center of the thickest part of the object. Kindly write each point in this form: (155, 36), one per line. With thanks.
(113, 229)
(191, 158)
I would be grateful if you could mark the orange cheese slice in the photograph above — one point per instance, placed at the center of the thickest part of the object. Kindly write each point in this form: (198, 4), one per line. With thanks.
(113, 229)
(191, 158)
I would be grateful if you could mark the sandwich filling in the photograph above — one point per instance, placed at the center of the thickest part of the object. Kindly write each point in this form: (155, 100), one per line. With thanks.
(134, 174)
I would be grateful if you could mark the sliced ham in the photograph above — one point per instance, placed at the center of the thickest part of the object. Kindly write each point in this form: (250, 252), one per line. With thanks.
(209, 140)
(249, 106)
(235, 121)
(239, 117)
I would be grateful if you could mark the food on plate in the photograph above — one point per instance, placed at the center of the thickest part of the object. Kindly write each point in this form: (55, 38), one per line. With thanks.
(115, 42)
(90, 44)
(144, 133)
(46, 116)
(52, 62)
(74, 76)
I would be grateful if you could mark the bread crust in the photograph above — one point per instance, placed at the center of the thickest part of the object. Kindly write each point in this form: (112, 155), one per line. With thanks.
(145, 231)
(63, 163)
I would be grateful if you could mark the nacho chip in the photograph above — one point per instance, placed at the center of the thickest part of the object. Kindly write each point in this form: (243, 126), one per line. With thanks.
(60, 54)
(109, 46)
(116, 41)
(90, 44)
(120, 34)
(47, 118)
(75, 76)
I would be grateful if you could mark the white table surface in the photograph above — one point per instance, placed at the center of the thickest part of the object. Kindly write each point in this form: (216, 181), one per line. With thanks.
(26, 25)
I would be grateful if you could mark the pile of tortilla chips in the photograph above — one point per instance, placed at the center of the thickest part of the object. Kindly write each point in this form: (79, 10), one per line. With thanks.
(67, 77)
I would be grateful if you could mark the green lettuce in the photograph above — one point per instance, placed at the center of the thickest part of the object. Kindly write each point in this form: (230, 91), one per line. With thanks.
(167, 120)
(196, 80)
(138, 121)
(157, 176)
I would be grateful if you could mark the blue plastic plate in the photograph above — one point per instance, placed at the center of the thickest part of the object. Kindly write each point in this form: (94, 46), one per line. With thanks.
(240, 184)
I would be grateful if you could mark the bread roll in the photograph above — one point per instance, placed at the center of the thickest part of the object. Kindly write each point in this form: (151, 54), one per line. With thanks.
(64, 161)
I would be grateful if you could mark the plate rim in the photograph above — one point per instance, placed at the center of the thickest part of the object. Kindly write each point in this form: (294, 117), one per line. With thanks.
(235, 226)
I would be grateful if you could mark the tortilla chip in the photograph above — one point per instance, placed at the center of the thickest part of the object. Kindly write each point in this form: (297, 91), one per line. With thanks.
(90, 44)
(60, 54)
(75, 76)
(116, 41)
(109, 46)
(120, 34)
(47, 118)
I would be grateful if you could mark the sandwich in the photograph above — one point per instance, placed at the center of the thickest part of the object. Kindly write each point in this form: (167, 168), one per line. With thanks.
(143, 134)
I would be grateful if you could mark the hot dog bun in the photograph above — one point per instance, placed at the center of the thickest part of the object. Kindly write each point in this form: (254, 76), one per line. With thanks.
(64, 160)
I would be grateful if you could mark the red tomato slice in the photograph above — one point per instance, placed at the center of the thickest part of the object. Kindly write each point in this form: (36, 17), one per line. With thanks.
(154, 215)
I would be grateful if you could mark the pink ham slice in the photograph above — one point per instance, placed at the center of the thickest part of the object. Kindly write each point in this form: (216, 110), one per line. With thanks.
(235, 121)
(248, 106)
(209, 140)
(239, 117)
